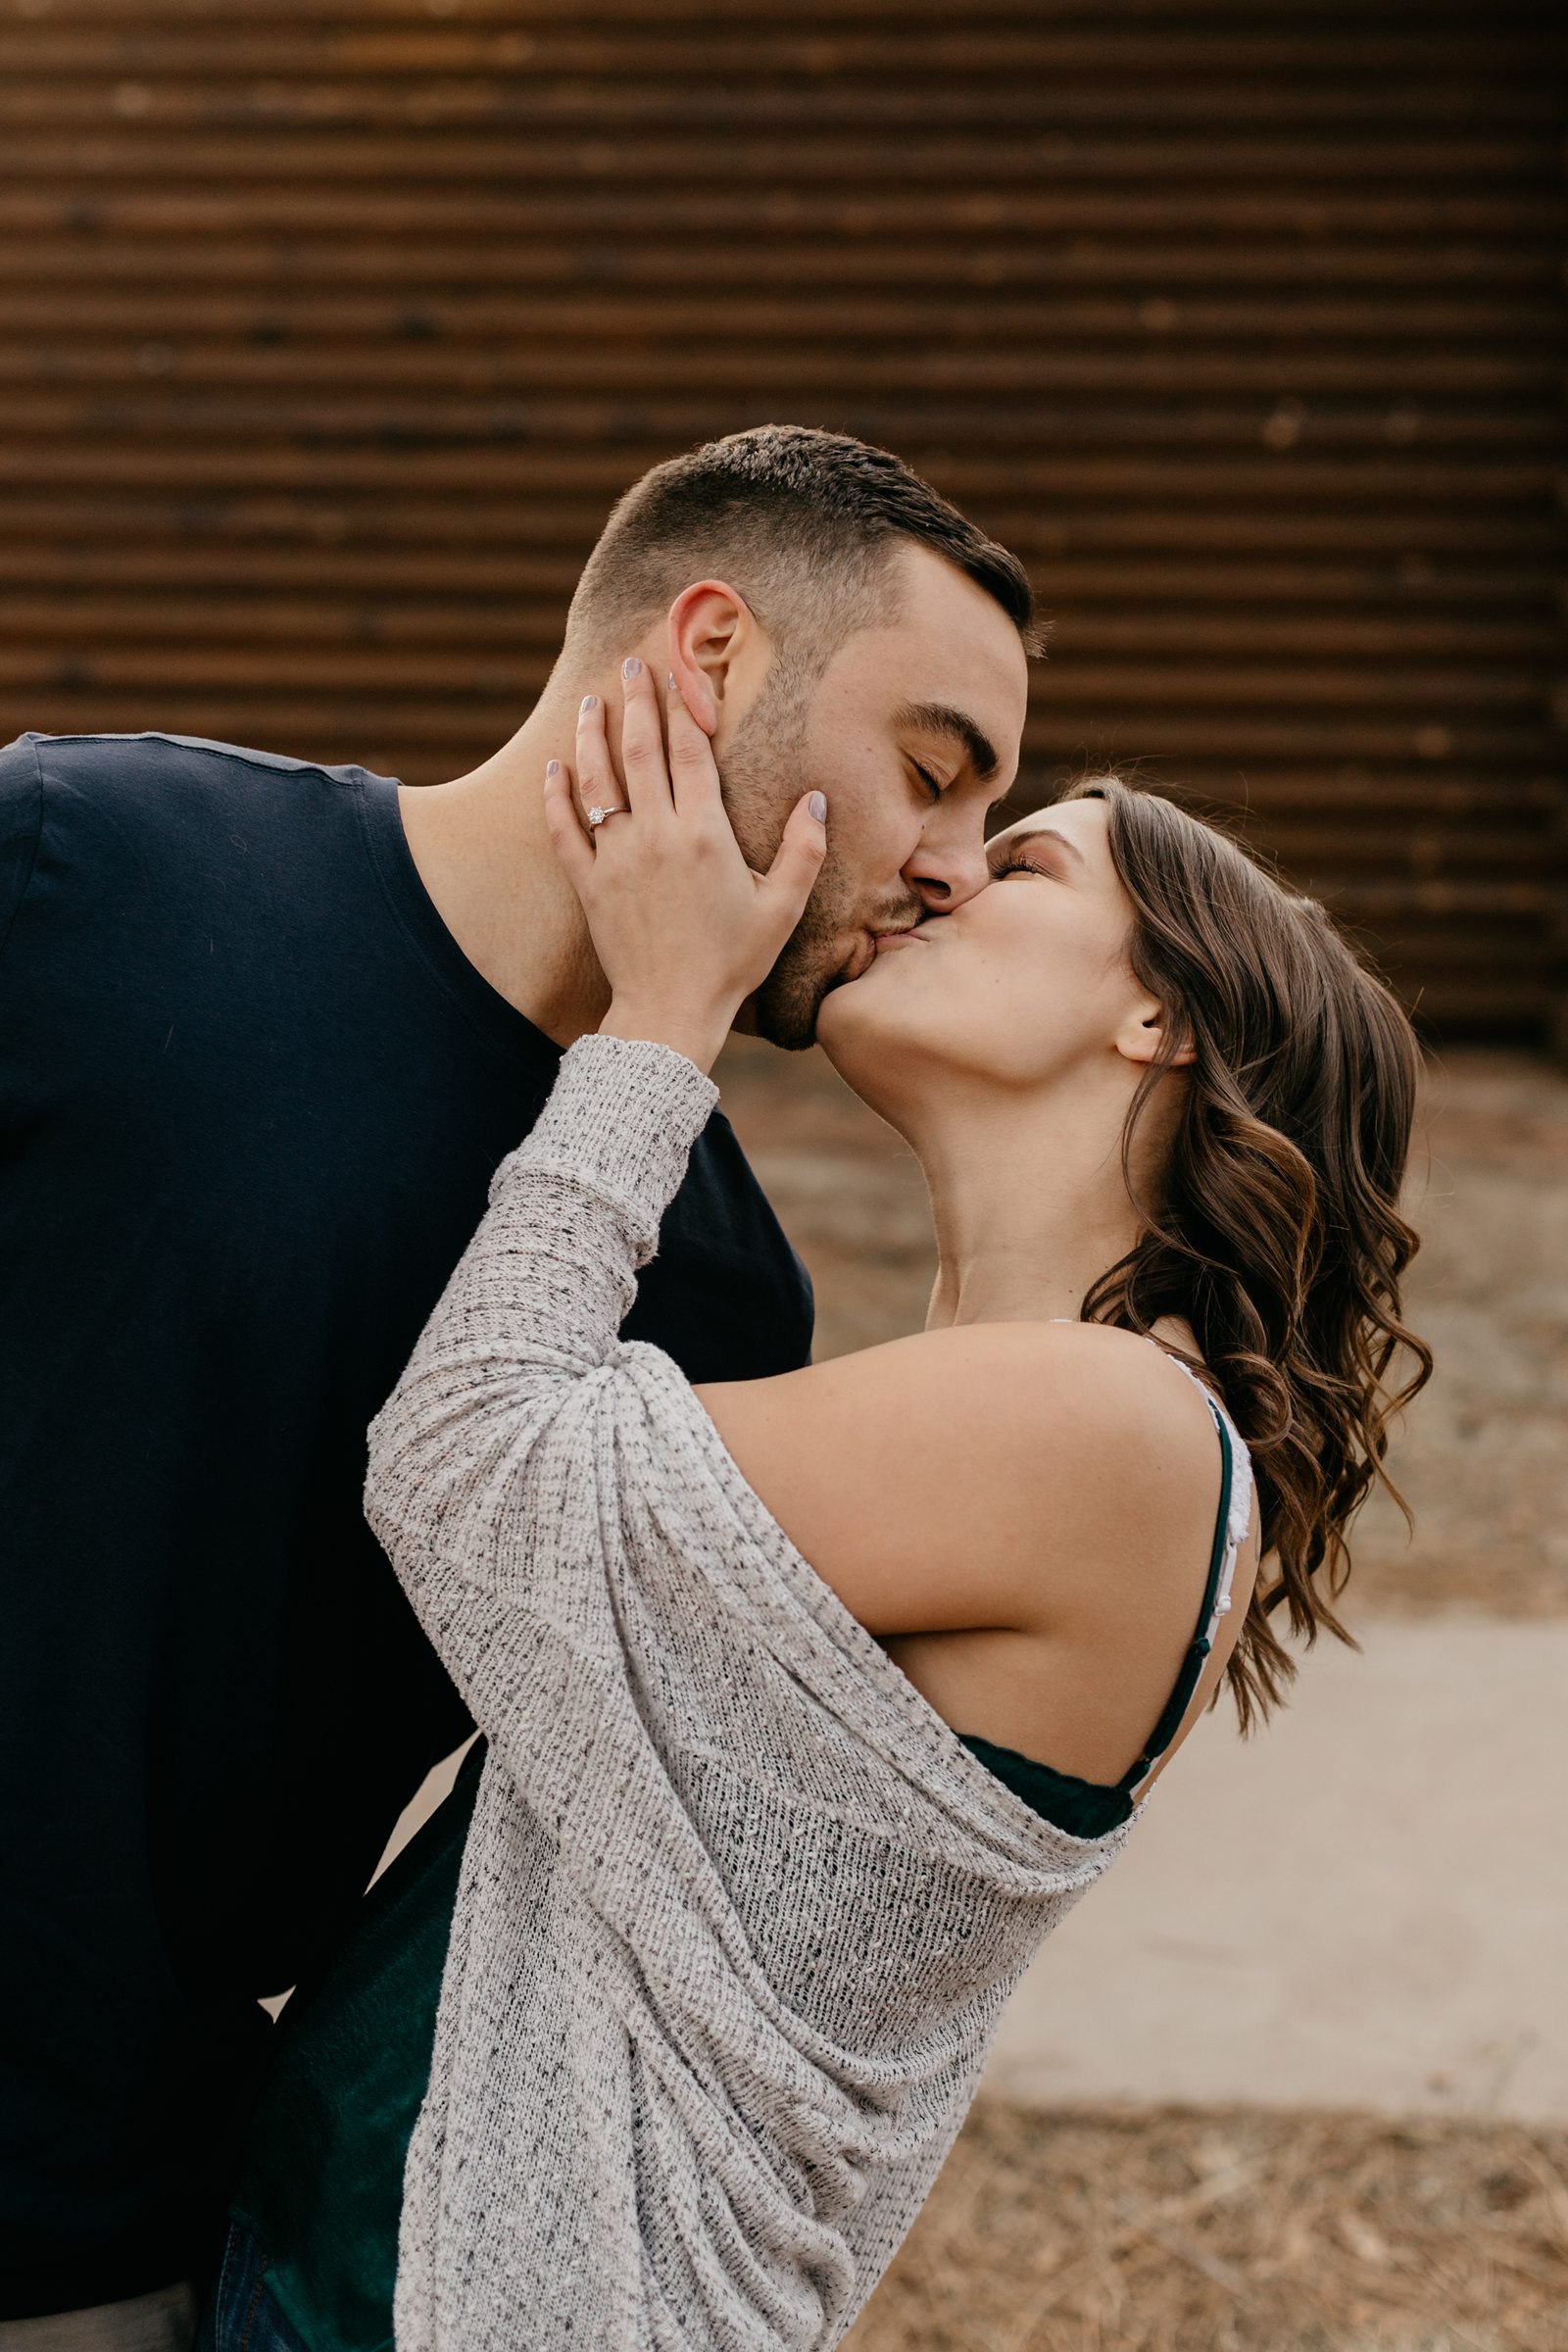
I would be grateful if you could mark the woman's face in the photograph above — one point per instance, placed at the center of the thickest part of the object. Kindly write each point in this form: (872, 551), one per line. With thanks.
(1024, 983)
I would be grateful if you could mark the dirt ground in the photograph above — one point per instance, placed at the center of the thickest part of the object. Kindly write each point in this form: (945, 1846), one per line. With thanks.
(1482, 1458)
(1233, 2229)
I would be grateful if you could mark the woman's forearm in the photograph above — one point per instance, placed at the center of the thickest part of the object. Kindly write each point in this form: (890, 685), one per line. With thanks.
(534, 1307)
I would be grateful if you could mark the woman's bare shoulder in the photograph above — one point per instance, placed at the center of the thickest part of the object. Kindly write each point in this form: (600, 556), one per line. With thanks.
(978, 1476)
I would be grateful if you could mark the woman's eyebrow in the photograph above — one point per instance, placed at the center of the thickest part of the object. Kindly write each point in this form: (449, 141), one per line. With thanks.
(944, 719)
(1034, 833)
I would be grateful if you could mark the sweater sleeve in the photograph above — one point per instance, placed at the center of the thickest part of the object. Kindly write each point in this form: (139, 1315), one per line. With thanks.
(484, 1461)
(737, 1912)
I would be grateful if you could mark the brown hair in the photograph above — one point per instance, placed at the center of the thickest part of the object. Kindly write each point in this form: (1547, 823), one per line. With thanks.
(1277, 1232)
(804, 523)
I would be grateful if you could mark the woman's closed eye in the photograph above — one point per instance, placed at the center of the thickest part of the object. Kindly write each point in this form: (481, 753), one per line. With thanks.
(1043, 853)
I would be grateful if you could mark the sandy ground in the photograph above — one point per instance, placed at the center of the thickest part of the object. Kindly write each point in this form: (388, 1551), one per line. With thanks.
(1233, 2229)
(1364, 1905)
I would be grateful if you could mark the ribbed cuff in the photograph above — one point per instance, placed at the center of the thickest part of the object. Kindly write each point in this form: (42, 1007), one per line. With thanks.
(622, 1117)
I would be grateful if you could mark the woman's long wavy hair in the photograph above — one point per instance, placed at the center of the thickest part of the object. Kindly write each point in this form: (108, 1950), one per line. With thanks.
(1276, 1232)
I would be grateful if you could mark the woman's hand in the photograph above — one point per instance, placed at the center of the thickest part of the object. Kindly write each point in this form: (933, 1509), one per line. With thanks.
(683, 928)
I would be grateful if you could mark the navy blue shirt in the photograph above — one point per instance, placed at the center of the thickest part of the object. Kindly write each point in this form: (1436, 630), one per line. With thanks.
(251, 1098)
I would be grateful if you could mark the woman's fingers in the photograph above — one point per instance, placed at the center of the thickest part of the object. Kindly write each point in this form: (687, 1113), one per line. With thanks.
(693, 771)
(642, 741)
(792, 876)
(684, 929)
(563, 818)
(598, 784)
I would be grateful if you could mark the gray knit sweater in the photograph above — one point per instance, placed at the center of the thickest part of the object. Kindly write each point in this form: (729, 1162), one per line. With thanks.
(738, 1911)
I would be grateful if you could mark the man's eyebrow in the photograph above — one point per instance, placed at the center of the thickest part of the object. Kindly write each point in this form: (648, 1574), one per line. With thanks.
(1033, 834)
(943, 718)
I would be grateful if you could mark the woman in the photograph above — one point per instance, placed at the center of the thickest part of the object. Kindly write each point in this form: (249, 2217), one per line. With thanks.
(813, 1703)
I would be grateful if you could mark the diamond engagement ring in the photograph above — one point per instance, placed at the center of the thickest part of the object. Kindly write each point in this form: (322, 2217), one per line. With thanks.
(597, 816)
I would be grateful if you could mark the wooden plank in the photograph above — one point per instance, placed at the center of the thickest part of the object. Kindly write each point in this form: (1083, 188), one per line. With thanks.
(676, 47)
(1533, 208)
(823, 375)
(1093, 226)
(134, 143)
(992, 443)
(1347, 791)
(1069, 732)
(799, 319)
(951, 265)
(1395, 17)
(1121, 98)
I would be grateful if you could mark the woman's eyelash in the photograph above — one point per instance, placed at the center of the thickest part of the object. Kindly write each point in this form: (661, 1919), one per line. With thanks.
(1013, 866)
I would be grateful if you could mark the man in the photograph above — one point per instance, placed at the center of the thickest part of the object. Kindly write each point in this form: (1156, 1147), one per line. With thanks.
(266, 1031)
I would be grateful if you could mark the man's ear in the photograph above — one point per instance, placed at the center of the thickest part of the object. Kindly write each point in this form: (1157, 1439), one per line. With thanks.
(1143, 1037)
(715, 641)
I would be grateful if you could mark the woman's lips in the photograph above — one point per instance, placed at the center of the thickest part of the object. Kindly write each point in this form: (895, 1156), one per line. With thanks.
(872, 943)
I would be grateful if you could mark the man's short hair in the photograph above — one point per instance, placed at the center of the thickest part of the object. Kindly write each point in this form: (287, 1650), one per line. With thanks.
(804, 524)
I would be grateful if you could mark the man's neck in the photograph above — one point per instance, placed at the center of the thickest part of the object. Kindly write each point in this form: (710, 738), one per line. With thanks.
(484, 856)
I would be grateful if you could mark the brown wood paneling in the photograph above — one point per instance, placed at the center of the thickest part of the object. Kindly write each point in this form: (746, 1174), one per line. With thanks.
(329, 329)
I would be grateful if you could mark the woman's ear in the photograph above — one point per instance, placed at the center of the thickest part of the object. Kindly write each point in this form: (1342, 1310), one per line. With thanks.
(713, 634)
(1144, 1034)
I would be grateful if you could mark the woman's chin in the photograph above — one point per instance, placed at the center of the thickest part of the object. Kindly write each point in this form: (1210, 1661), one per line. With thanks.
(842, 1011)
(852, 1032)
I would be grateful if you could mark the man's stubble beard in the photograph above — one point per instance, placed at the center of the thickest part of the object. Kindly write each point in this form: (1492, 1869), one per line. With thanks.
(762, 775)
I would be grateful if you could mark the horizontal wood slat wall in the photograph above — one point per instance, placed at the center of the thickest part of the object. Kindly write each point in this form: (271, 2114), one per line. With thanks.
(330, 329)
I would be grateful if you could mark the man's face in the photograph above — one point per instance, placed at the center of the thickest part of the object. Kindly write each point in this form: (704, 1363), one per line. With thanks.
(912, 731)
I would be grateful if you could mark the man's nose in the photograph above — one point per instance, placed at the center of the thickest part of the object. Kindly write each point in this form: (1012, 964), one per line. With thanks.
(949, 865)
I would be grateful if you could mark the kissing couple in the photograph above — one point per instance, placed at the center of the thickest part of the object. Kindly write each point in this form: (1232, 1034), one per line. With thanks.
(810, 1697)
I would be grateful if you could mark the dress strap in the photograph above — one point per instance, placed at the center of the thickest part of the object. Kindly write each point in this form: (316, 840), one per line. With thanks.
(1231, 1523)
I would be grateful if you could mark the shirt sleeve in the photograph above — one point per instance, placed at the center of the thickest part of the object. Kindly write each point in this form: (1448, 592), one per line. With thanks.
(20, 821)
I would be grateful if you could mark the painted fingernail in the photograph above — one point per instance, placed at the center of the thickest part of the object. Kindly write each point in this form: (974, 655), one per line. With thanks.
(632, 667)
(590, 702)
(669, 681)
(552, 767)
(819, 806)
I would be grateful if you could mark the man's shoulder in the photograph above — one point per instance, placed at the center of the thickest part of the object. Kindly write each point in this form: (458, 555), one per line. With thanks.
(138, 820)
(154, 758)
(154, 801)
